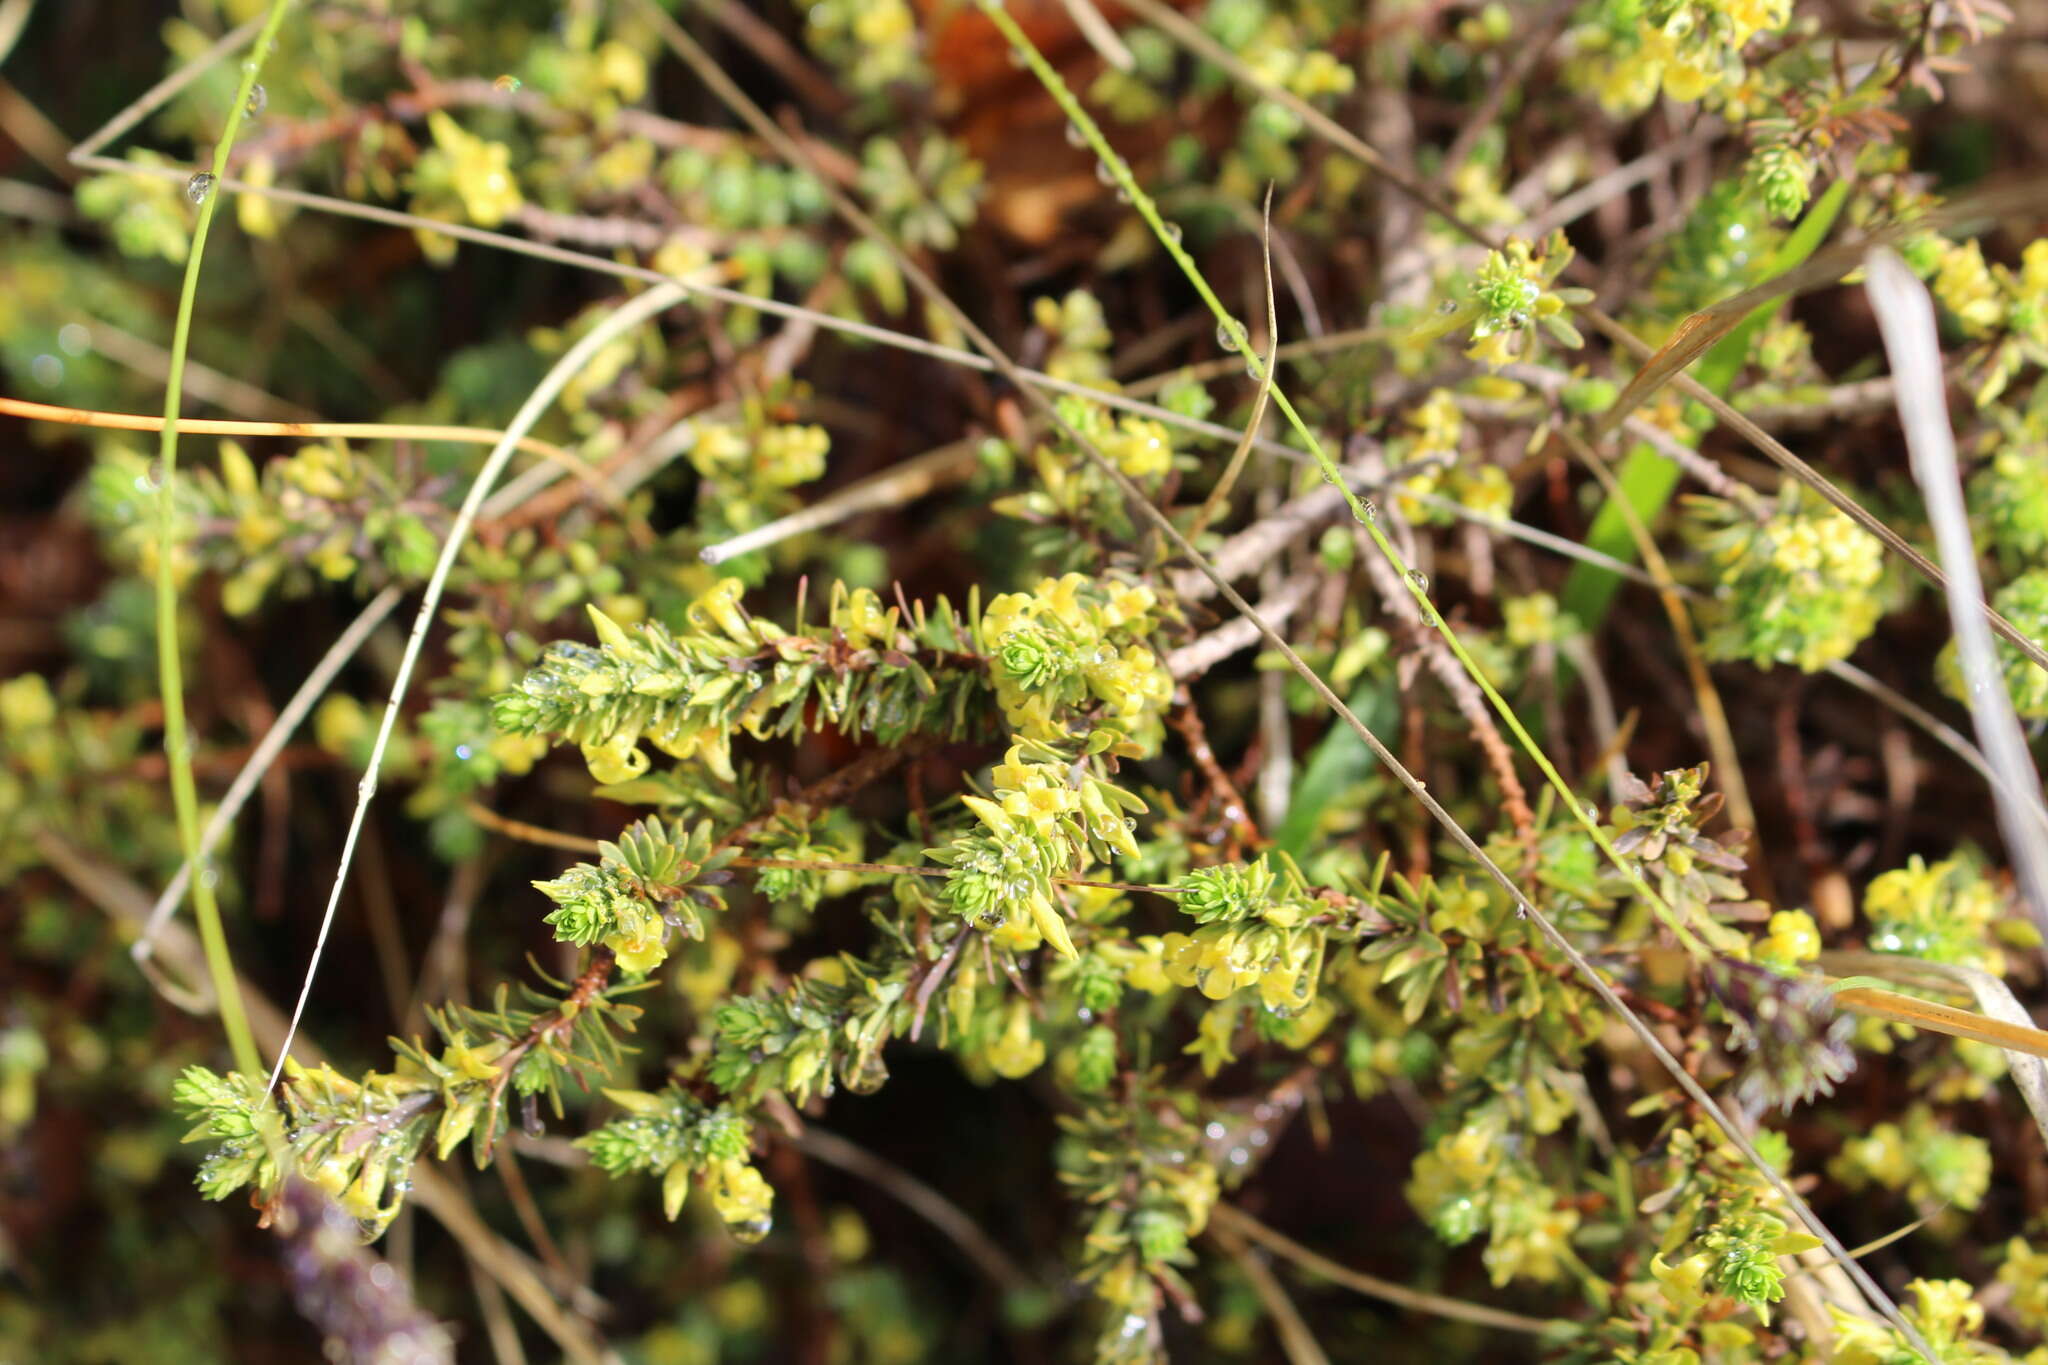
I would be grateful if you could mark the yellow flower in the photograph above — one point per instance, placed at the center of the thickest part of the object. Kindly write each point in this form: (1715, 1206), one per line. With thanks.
(481, 171)
(26, 704)
(640, 954)
(623, 70)
(743, 1199)
(1146, 969)
(1965, 287)
(1793, 938)
(1140, 448)
(883, 23)
(1016, 1053)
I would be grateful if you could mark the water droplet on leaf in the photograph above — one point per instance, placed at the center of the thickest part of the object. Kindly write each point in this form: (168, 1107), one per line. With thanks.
(1226, 335)
(868, 1077)
(259, 100)
(199, 186)
(1419, 579)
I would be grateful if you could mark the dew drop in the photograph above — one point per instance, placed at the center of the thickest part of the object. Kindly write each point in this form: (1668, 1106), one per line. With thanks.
(199, 186)
(1123, 196)
(1075, 137)
(1226, 335)
(507, 84)
(1371, 510)
(464, 753)
(1419, 579)
(868, 1076)
(1173, 233)
(751, 1230)
(1104, 173)
(259, 100)
(1448, 306)
(1130, 822)
(1017, 59)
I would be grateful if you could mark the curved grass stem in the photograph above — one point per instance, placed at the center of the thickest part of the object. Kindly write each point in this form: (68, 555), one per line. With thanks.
(624, 319)
(220, 964)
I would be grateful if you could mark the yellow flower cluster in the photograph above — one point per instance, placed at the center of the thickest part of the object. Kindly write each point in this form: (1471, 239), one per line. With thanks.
(1466, 1183)
(2026, 1272)
(1691, 51)
(1997, 304)
(1792, 938)
(1139, 446)
(1220, 959)
(1940, 911)
(1044, 820)
(479, 171)
(1946, 1313)
(1799, 588)
(1081, 338)
(769, 456)
(1965, 287)
(1071, 640)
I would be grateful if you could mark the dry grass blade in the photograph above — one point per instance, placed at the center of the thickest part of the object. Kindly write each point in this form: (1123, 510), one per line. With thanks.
(1937, 729)
(265, 753)
(1993, 997)
(1713, 715)
(941, 1212)
(1698, 333)
(626, 317)
(1214, 503)
(1296, 1340)
(892, 487)
(1437, 1305)
(1905, 317)
(1956, 1023)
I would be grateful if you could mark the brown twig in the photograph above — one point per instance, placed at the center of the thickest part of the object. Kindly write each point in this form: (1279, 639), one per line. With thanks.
(1296, 1339)
(1439, 1305)
(1187, 722)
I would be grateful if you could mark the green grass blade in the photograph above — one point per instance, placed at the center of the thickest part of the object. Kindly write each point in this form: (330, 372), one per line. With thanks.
(1649, 479)
(220, 963)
